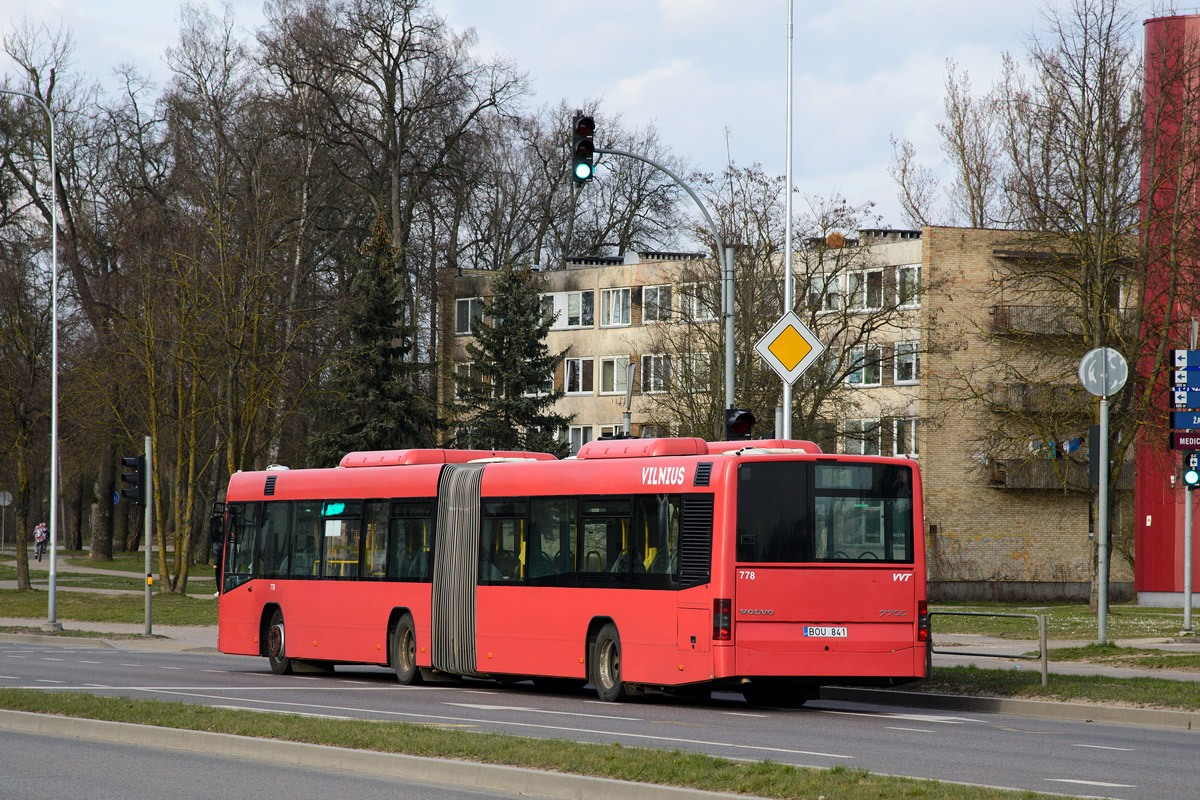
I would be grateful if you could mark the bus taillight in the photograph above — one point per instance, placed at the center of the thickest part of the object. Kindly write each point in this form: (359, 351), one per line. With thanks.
(922, 621)
(722, 619)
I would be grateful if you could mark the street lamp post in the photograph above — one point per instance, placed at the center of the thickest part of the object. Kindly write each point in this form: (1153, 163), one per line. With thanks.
(52, 623)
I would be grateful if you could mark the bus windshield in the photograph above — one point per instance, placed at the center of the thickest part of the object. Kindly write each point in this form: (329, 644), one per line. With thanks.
(795, 512)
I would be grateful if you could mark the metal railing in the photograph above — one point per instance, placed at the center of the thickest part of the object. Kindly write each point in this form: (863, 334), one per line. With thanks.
(1042, 656)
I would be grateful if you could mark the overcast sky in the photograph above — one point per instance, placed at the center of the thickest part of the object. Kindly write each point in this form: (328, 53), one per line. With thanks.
(711, 75)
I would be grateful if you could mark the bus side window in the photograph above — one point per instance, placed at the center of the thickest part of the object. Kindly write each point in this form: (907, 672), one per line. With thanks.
(276, 539)
(410, 541)
(503, 549)
(656, 541)
(306, 539)
(552, 540)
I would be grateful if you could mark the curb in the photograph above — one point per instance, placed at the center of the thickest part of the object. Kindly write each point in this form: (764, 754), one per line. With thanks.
(1075, 712)
(418, 769)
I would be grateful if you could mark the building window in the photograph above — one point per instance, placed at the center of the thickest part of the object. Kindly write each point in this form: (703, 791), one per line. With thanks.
(612, 430)
(908, 286)
(548, 309)
(545, 387)
(656, 303)
(656, 373)
(613, 374)
(462, 372)
(907, 363)
(698, 302)
(614, 307)
(825, 293)
(865, 362)
(866, 290)
(904, 437)
(467, 314)
(860, 437)
(581, 309)
(695, 372)
(651, 431)
(579, 375)
(579, 435)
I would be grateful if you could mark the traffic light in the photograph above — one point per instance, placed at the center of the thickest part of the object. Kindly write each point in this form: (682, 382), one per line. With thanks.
(738, 423)
(1191, 470)
(136, 479)
(582, 148)
(1191, 478)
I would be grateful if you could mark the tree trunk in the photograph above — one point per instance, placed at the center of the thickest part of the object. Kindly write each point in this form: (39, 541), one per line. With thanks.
(102, 506)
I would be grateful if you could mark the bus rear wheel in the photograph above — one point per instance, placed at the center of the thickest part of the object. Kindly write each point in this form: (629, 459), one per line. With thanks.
(404, 652)
(606, 665)
(277, 645)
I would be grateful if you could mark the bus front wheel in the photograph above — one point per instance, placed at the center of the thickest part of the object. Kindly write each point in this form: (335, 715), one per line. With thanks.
(404, 652)
(606, 665)
(277, 645)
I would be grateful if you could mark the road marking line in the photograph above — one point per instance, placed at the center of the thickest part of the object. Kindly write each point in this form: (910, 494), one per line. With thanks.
(130, 665)
(743, 714)
(45, 680)
(1094, 783)
(1105, 747)
(914, 730)
(91, 662)
(484, 707)
(407, 714)
(47, 658)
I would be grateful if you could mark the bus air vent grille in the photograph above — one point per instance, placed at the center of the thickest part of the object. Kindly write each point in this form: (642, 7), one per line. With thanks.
(695, 541)
(270, 488)
(703, 471)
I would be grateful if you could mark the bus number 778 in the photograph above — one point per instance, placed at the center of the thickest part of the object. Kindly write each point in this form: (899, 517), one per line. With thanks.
(745, 574)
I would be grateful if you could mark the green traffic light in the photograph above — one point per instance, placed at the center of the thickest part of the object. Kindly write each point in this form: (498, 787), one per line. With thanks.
(583, 171)
(1191, 477)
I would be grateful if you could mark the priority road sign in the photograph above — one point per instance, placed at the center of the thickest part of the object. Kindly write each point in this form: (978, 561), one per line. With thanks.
(789, 347)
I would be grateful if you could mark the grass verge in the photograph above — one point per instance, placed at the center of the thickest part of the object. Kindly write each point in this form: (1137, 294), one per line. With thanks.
(1026, 683)
(1136, 657)
(673, 768)
(1063, 621)
(168, 609)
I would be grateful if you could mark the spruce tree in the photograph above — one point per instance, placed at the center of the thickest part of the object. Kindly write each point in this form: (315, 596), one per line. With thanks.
(369, 403)
(507, 401)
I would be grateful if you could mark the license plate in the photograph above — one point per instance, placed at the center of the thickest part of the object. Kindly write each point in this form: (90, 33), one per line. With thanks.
(825, 631)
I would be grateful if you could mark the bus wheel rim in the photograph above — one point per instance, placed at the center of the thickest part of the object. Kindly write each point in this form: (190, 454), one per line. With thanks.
(275, 641)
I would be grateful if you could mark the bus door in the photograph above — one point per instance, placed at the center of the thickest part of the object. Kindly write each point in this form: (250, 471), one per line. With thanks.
(825, 570)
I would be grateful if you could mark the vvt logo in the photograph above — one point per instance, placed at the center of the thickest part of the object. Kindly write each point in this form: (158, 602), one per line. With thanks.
(901, 576)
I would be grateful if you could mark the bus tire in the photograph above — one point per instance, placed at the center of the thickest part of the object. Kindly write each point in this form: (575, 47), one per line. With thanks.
(404, 652)
(606, 665)
(277, 645)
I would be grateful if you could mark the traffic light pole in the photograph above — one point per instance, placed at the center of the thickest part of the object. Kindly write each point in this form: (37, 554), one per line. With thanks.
(147, 529)
(1187, 560)
(726, 258)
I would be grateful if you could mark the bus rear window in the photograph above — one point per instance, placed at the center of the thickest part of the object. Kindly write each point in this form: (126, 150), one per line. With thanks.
(805, 512)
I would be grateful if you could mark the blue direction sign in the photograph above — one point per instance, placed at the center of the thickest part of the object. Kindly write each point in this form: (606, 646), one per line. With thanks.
(1185, 378)
(1187, 420)
(1185, 358)
(1185, 398)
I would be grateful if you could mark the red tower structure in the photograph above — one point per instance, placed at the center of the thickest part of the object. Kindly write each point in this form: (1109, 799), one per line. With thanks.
(1170, 215)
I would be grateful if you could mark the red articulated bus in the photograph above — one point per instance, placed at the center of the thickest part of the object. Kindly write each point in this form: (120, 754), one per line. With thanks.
(767, 567)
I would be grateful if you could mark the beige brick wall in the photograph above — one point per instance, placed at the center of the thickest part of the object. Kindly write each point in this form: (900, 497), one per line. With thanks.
(975, 531)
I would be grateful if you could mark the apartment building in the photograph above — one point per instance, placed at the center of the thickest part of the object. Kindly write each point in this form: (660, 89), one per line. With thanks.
(907, 315)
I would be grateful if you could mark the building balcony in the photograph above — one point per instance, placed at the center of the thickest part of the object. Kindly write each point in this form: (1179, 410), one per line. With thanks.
(1016, 473)
(1038, 320)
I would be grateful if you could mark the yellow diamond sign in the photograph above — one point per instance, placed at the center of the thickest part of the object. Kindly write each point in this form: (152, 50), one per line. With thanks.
(789, 347)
